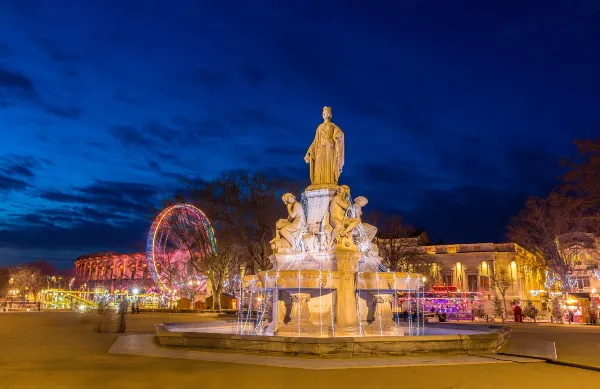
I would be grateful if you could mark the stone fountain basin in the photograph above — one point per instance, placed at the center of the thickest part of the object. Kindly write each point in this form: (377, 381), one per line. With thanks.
(292, 279)
(453, 341)
(384, 281)
(325, 279)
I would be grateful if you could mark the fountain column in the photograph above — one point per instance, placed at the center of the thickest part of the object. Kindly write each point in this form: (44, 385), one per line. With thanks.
(384, 321)
(299, 316)
(346, 316)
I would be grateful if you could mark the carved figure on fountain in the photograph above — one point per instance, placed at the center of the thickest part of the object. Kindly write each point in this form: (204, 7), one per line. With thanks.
(288, 234)
(325, 155)
(338, 212)
(365, 239)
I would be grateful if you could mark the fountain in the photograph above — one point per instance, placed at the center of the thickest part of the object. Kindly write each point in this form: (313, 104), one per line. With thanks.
(327, 291)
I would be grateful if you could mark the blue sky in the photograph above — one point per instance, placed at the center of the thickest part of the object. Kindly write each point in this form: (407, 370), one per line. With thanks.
(454, 112)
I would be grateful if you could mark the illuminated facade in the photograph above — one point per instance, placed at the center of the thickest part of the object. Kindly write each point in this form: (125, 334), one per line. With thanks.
(469, 266)
(113, 271)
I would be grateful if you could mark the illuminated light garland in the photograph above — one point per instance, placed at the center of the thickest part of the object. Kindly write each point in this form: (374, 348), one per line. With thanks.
(321, 298)
(299, 303)
(331, 304)
(377, 303)
(151, 249)
(409, 307)
(360, 326)
(551, 280)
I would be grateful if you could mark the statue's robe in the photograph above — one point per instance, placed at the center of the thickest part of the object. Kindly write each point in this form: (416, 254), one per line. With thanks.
(326, 154)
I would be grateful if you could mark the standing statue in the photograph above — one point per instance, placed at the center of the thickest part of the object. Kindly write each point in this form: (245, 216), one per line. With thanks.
(291, 228)
(326, 153)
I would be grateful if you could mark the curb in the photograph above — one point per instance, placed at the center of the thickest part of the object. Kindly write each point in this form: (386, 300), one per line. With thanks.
(573, 364)
(557, 362)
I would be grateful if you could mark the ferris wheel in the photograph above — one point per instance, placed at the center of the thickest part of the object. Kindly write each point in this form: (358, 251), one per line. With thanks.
(179, 232)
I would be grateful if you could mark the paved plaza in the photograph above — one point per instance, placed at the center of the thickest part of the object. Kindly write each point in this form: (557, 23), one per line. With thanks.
(59, 350)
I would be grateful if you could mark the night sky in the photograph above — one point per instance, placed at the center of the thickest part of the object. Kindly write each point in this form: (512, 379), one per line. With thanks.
(454, 112)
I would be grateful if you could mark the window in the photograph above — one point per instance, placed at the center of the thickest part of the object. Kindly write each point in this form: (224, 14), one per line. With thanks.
(447, 279)
(472, 282)
(582, 281)
(484, 283)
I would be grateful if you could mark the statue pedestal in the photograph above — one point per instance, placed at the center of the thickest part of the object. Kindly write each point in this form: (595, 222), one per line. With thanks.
(299, 317)
(316, 203)
(347, 265)
(383, 322)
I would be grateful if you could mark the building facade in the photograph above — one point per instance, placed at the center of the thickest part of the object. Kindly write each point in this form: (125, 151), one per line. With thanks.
(470, 267)
(114, 272)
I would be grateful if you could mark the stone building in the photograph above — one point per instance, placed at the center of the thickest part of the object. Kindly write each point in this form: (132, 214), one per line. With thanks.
(583, 251)
(469, 266)
(113, 271)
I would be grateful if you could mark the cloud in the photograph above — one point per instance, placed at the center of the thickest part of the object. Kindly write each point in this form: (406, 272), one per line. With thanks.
(15, 81)
(253, 117)
(103, 215)
(123, 198)
(130, 136)
(18, 172)
(185, 132)
(16, 88)
(89, 236)
(15, 165)
(197, 129)
(8, 184)
(65, 112)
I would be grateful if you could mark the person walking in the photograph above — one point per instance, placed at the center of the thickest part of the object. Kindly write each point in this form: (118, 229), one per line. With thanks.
(122, 313)
(571, 316)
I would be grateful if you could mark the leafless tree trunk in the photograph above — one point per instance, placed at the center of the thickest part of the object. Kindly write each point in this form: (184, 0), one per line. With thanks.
(554, 231)
(399, 247)
(245, 204)
(215, 261)
(502, 281)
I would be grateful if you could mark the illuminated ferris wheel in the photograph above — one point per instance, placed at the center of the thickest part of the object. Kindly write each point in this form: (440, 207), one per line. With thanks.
(179, 232)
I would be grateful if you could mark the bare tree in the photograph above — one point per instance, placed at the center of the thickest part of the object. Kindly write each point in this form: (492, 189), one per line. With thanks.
(215, 260)
(4, 285)
(219, 265)
(581, 181)
(546, 228)
(27, 279)
(502, 281)
(168, 266)
(245, 204)
(191, 281)
(398, 245)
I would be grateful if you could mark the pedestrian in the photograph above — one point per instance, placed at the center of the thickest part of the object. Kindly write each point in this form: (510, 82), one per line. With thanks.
(132, 307)
(100, 316)
(137, 306)
(571, 316)
(518, 314)
(122, 313)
